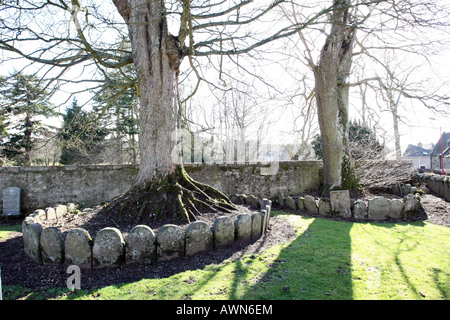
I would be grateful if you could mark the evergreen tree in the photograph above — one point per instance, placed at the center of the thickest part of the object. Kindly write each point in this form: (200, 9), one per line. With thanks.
(81, 137)
(363, 142)
(117, 105)
(24, 104)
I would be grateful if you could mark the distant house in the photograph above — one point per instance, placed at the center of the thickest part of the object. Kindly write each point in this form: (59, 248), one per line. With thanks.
(419, 156)
(442, 148)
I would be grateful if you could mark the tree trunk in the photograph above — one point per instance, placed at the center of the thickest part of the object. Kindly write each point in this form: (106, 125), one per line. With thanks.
(148, 32)
(332, 95)
(161, 186)
(28, 140)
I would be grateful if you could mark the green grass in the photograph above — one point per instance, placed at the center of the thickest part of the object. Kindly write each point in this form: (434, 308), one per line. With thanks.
(327, 260)
(5, 230)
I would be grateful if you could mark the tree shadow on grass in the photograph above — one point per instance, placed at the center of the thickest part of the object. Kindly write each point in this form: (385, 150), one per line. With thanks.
(316, 265)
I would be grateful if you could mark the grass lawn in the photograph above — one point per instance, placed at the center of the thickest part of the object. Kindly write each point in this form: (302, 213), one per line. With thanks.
(327, 260)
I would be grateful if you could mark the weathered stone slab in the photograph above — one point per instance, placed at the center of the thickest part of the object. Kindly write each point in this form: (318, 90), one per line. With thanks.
(199, 238)
(378, 208)
(268, 210)
(11, 201)
(31, 239)
(50, 213)
(340, 203)
(301, 203)
(251, 201)
(281, 198)
(360, 209)
(290, 203)
(267, 206)
(311, 204)
(71, 207)
(61, 211)
(324, 206)
(108, 248)
(52, 246)
(243, 227)
(36, 216)
(411, 205)
(78, 248)
(257, 226)
(41, 214)
(236, 199)
(169, 242)
(223, 231)
(396, 208)
(140, 245)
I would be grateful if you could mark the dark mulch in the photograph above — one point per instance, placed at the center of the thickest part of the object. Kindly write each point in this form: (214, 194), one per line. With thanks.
(18, 269)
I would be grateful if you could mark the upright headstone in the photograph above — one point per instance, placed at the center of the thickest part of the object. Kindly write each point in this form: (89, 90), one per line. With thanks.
(11, 201)
(340, 203)
(223, 232)
(140, 245)
(169, 242)
(199, 238)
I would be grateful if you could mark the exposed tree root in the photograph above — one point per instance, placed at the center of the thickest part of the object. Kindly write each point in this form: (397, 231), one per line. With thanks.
(177, 197)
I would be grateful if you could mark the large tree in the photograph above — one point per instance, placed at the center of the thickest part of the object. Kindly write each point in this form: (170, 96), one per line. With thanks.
(202, 28)
(361, 31)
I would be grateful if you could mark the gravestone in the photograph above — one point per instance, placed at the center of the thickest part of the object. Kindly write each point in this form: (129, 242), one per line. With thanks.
(78, 248)
(324, 206)
(243, 227)
(378, 208)
(108, 248)
(340, 203)
(290, 203)
(169, 242)
(396, 208)
(311, 204)
(11, 201)
(199, 238)
(31, 234)
(52, 246)
(140, 245)
(256, 232)
(360, 209)
(223, 232)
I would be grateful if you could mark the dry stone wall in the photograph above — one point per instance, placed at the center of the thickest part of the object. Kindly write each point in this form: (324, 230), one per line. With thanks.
(439, 184)
(339, 205)
(142, 245)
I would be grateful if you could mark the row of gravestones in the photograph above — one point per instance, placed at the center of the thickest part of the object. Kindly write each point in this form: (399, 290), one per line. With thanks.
(377, 208)
(142, 244)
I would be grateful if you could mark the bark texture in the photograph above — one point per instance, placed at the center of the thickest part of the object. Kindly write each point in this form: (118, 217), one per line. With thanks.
(331, 75)
(161, 185)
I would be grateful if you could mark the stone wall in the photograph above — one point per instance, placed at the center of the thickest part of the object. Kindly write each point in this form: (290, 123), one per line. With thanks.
(109, 248)
(338, 205)
(92, 185)
(439, 184)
